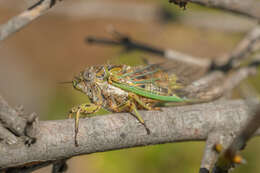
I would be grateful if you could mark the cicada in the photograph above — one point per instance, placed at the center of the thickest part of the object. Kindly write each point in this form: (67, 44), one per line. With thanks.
(122, 88)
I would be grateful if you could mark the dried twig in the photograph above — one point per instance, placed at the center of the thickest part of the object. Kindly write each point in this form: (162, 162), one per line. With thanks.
(242, 51)
(226, 63)
(247, 8)
(26, 17)
(130, 44)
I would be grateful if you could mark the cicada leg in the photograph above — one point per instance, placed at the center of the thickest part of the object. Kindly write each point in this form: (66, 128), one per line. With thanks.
(130, 104)
(139, 117)
(141, 103)
(77, 111)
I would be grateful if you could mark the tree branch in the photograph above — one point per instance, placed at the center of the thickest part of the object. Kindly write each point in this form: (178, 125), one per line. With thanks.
(230, 61)
(129, 44)
(247, 8)
(55, 139)
(244, 48)
(18, 22)
(10, 118)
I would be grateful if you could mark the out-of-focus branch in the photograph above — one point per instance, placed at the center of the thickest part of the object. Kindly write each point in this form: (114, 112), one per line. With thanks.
(55, 139)
(249, 8)
(18, 22)
(220, 84)
(232, 60)
(230, 157)
(130, 44)
(217, 83)
(245, 47)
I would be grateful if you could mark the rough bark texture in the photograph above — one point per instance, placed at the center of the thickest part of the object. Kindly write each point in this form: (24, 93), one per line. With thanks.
(55, 139)
(10, 118)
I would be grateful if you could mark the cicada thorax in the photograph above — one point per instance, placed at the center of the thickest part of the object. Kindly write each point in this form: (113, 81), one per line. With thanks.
(94, 92)
(114, 97)
(98, 89)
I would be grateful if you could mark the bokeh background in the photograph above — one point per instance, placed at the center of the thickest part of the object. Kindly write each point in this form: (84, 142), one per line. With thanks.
(52, 50)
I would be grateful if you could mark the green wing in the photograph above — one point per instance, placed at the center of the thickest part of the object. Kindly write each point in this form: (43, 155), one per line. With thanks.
(149, 81)
(148, 94)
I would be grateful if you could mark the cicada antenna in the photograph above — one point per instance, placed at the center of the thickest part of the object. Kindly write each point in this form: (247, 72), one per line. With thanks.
(65, 82)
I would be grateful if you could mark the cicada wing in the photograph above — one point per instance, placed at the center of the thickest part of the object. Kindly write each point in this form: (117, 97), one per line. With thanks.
(151, 78)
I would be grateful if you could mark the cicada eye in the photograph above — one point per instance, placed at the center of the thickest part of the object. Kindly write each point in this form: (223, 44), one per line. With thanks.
(88, 76)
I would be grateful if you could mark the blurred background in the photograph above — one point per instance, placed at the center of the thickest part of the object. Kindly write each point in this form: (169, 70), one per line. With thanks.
(52, 50)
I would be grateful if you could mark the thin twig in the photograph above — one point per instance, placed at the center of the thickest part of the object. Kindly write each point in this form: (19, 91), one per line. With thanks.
(246, 8)
(244, 48)
(130, 44)
(18, 22)
(226, 63)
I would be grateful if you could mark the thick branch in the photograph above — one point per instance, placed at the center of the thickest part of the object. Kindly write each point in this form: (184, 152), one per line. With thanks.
(110, 132)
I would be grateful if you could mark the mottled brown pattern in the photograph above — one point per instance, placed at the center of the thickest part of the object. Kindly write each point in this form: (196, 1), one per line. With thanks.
(95, 83)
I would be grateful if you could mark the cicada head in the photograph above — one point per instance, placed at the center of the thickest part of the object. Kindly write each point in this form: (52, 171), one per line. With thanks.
(95, 74)
(82, 85)
(92, 78)
(77, 82)
(85, 79)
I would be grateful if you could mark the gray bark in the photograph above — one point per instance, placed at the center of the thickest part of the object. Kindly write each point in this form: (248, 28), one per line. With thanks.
(55, 139)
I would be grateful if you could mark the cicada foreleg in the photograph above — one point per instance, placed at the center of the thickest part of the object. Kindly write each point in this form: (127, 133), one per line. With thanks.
(83, 109)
